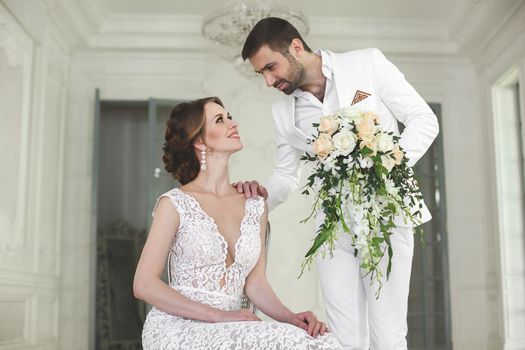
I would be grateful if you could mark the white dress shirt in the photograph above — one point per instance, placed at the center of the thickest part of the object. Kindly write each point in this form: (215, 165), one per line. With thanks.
(308, 109)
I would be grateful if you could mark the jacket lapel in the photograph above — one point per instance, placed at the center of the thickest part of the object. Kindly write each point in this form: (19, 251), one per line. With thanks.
(345, 81)
(298, 138)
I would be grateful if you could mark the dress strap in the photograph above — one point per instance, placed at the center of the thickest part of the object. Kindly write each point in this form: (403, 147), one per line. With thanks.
(177, 199)
(255, 208)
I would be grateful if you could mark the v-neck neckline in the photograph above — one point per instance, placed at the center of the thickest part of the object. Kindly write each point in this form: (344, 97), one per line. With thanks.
(216, 228)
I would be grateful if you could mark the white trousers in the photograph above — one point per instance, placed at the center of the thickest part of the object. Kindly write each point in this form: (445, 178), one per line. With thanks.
(355, 316)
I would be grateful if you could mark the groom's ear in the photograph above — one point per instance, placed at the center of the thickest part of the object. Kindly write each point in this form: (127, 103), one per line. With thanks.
(296, 47)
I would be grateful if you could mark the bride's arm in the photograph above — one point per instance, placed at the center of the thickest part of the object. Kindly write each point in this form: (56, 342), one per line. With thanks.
(264, 298)
(148, 285)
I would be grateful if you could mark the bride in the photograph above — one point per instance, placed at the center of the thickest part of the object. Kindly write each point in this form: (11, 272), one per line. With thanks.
(214, 239)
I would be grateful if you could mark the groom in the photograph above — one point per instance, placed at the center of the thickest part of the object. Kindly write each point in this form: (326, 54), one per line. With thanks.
(316, 84)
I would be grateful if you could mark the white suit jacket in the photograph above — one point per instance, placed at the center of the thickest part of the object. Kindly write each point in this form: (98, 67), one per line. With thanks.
(391, 97)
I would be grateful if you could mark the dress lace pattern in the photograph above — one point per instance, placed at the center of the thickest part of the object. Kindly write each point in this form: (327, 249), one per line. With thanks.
(198, 270)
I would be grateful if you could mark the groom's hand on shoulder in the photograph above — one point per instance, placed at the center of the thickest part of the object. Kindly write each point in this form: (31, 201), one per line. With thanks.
(251, 189)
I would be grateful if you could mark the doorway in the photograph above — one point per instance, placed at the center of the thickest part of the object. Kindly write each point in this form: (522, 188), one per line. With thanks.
(509, 134)
(130, 176)
(428, 303)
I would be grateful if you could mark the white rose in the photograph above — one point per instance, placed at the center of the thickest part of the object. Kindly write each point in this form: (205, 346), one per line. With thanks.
(350, 114)
(388, 162)
(385, 142)
(345, 142)
(328, 124)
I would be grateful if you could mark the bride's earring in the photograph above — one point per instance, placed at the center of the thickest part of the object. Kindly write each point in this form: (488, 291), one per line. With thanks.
(203, 159)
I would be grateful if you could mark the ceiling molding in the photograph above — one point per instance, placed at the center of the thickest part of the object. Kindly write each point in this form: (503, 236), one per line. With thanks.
(347, 26)
(183, 32)
(504, 48)
(70, 19)
(95, 10)
(393, 36)
(470, 26)
(474, 23)
(147, 24)
(457, 17)
(139, 32)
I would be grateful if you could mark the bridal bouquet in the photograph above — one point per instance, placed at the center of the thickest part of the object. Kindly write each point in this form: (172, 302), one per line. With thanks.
(361, 181)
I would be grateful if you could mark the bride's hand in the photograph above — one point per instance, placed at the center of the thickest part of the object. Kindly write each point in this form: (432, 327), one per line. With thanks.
(251, 189)
(309, 322)
(233, 316)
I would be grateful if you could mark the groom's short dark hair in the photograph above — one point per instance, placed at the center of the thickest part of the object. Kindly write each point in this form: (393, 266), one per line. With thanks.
(275, 32)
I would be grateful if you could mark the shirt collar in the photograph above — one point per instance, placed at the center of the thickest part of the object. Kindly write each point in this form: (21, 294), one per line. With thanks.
(326, 60)
(326, 68)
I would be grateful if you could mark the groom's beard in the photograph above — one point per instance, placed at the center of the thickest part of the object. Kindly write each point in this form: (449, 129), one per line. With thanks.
(295, 76)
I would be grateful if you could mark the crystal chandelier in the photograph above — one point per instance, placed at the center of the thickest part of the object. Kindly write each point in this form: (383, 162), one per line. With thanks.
(228, 27)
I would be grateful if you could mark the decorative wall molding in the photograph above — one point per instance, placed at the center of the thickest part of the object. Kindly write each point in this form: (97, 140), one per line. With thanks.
(47, 284)
(502, 55)
(17, 332)
(47, 318)
(14, 41)
(34, 58)
(17, 47)
(49, 137)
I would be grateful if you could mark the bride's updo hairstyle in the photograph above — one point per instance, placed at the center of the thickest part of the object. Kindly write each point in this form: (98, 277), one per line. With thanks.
(184, 126)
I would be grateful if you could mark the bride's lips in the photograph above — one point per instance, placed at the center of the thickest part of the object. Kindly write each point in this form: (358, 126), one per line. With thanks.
(234, 135)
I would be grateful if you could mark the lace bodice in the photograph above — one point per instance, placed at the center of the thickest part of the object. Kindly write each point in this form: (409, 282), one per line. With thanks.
(197, 265)
(197, 260)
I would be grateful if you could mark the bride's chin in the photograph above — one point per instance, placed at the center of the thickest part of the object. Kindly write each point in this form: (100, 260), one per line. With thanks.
(236, 149)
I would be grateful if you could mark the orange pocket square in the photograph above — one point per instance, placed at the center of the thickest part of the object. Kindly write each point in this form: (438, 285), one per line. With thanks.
(359, 96)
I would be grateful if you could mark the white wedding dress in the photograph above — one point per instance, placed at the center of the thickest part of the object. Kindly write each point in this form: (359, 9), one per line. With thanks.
(198, 270)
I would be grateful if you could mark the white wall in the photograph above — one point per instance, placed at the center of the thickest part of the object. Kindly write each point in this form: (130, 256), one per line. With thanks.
(33, 71)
